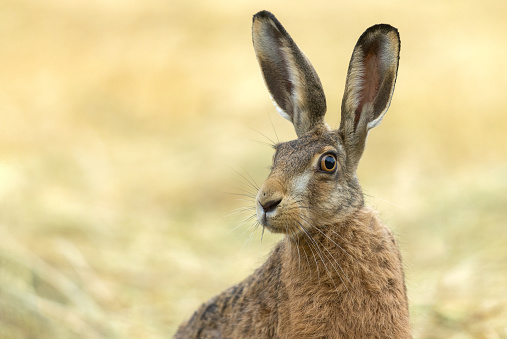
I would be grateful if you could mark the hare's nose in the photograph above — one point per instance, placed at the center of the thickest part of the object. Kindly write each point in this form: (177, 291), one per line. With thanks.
(270, 205)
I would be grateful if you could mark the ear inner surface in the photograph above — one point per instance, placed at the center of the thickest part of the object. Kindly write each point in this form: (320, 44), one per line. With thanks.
(369, 87)
(371, 83)
(383, 99)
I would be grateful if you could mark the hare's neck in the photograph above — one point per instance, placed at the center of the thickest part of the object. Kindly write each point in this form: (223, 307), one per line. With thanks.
(344, 256)
(350, 273)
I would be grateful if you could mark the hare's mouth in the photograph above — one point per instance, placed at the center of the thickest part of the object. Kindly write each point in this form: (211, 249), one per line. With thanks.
(269, 215)
(278, 218)
(266, 213)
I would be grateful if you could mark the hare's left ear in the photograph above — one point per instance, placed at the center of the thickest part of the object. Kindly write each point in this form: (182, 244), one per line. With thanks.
(369, 88)
(290, 77)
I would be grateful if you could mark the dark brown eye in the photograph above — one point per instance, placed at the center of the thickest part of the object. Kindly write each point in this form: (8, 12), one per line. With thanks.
(328, 163)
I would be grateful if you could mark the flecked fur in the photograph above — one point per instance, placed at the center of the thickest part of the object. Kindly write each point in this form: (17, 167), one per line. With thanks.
(338, 272)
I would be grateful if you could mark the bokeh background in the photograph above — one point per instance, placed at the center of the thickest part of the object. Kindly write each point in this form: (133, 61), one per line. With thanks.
(124, 125)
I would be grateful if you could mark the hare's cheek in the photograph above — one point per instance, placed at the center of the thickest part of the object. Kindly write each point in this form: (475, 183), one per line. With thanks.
(299, 222)
(299, 187)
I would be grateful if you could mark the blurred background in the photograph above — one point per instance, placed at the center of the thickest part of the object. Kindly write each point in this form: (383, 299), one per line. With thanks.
(124, 125)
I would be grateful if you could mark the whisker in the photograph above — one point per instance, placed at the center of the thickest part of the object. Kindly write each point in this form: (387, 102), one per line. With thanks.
(249, 240)
(307, 220)
(311, 249)
(252, 179)
(241, 175)
(321, 255)
(307, 259)
(387, 201)
(244, 186)
(271, 121)
(244, 207)
(339, 266)
(299, 256)
(262, 143)
(241, 191)
(239, 210)
(303, 217)
(248, 200)
(297, 204)
(248, 219)
(241, 195)
(322, 259)
(271, 141)
(288, 239)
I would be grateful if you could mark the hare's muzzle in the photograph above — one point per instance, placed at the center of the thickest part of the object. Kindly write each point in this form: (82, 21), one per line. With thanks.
(268, 202)
(270, 205)
(267, 210)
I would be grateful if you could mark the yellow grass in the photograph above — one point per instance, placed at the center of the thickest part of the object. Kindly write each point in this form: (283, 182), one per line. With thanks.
(121, 121)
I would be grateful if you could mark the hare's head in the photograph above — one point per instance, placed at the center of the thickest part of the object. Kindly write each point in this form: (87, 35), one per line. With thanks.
(313, 178)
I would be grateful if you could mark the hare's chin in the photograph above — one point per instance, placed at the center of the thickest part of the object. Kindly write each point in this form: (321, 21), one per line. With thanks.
(275, 225)
(268, 221)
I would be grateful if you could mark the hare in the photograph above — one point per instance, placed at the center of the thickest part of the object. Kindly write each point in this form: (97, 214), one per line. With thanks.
(337, 273)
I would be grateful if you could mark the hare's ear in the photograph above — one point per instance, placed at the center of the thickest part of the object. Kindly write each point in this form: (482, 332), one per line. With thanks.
(369, 88)
(290, 77)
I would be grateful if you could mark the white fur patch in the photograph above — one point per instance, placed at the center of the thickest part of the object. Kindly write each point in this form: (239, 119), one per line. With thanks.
(300, 184)
(280, 111)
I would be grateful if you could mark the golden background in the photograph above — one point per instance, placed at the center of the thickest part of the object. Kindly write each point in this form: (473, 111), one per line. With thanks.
(123, 125)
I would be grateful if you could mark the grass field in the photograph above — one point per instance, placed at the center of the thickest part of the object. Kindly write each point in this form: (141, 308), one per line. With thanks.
(124, 124)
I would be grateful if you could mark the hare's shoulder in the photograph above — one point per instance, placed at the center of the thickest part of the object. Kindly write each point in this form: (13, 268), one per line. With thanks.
(248, 309)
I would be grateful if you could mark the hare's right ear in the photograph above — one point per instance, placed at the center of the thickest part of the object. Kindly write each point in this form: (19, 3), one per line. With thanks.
(369, 88)
(290, 77)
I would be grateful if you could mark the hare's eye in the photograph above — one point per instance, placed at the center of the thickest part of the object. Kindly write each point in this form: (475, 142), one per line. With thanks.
(328, 163)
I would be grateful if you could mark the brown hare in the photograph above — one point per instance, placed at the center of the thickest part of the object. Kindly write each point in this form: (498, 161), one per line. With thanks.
(337, 273)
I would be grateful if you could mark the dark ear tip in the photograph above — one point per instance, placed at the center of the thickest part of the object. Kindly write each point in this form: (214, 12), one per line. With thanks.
(382, 29)
(263, 15)
(372, 34)
(266, 16)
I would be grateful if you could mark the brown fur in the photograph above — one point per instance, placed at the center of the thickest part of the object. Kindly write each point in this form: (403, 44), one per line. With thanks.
(337, 273)
(291, 296)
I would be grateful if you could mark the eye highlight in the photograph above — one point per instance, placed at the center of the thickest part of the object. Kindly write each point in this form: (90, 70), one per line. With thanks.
(328, 163)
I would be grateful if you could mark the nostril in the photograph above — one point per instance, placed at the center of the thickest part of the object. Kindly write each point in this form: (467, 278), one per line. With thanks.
(271, 205)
